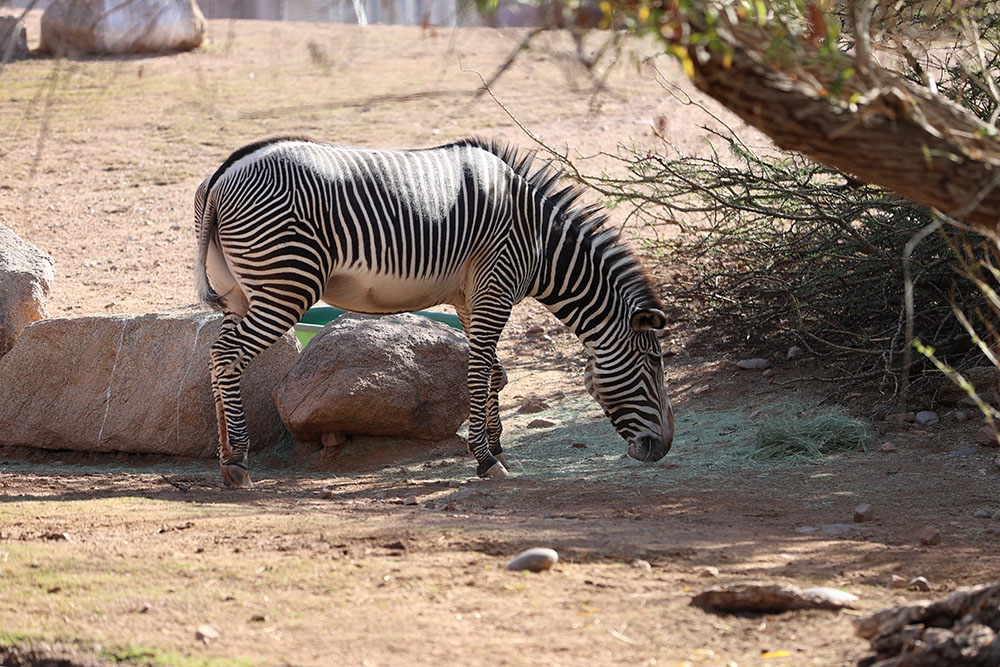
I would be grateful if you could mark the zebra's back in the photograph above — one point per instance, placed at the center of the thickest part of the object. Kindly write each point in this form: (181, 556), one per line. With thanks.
(377, 231)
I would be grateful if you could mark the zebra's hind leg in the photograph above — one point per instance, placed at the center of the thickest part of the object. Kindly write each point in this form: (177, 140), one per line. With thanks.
(231, 353)
(229, 322)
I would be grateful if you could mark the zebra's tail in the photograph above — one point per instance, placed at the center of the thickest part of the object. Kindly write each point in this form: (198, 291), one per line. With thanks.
(206, 222)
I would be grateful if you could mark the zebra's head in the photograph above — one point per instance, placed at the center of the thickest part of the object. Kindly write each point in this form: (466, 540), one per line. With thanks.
(626, 379)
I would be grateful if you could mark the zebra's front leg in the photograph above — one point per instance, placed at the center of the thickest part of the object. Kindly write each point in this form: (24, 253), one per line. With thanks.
(484, 331)
(494, 428)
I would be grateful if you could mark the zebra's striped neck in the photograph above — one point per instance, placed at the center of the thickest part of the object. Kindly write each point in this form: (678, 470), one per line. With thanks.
(588, 278)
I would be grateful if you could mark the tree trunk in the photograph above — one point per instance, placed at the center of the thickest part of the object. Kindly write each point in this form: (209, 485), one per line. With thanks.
(879, 127)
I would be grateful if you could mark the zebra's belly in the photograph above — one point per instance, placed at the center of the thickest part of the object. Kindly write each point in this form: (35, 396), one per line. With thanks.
(367, 292)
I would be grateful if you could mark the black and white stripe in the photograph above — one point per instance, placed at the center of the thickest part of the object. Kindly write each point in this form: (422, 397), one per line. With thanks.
(286, 222)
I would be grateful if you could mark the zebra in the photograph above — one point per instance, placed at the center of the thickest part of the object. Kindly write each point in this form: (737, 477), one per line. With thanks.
(288, 221)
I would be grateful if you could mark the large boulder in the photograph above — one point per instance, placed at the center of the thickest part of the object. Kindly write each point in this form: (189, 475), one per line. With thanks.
(115, 27)
(130, 384)
(25, 282)
(13, 39)
(401, 376)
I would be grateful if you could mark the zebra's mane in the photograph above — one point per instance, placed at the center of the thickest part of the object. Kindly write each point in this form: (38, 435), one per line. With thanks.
(589, 219)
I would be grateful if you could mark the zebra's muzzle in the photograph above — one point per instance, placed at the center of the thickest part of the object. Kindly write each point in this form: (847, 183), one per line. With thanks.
(648, 449)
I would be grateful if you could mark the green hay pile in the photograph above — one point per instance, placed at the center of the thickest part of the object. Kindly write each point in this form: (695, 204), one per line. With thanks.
(802, 435)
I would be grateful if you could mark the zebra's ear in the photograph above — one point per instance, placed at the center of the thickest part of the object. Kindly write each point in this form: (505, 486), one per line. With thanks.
(648, 318)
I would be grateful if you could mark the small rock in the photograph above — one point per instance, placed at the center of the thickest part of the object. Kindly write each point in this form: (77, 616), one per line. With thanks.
(579, 445)
(835, 528)
(967, 451)
(834, 595)
(926, 418)
(768, 373)
(326, 494)
(708, 572)
(982, 514)
(918, 584)
(896, 581)
(794, 352)
(863, 512)
(986, 437)
(757, 364)
(535, 330)
(703, 389)
(258, 618)
(455, 483)
(534, 560)
(533, 405)
(411, 500)
(930, 536)
(641, 564)
(56, 536)
(768, 598)
(541, 423)
(206, 633)
(960, 415)
(889, 448)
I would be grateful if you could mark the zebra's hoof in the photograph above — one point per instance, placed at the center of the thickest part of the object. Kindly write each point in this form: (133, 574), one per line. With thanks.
(498, 471)
(236, 475)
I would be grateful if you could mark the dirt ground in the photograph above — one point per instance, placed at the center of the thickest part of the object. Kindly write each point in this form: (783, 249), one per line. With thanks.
(125, 559)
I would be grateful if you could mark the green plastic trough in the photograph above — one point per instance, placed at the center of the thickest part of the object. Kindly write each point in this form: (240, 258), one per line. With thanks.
(318, 317)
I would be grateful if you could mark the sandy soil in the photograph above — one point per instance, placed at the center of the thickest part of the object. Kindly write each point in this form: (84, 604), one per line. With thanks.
(124, 559)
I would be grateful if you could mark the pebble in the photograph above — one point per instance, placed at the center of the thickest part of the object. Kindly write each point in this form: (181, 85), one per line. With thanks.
(918, 584)
(757, 364)
(982, 514)
(768, 373)
(831, 594)
(534, 560)
(889, 448)
(708, 572)
(986, 437)
(896, 581)
(455, 483)
(641, 564)
(411, 500)
(535, 330)
(703, 389)
(206, 633)
(930, 536)
(794, 352)
(926, 418)
(835, 528)
(541, 423)
(968, 451)
(960, 415)
(326, 494)
(863, 512)
(533, 405)
(579, 445)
